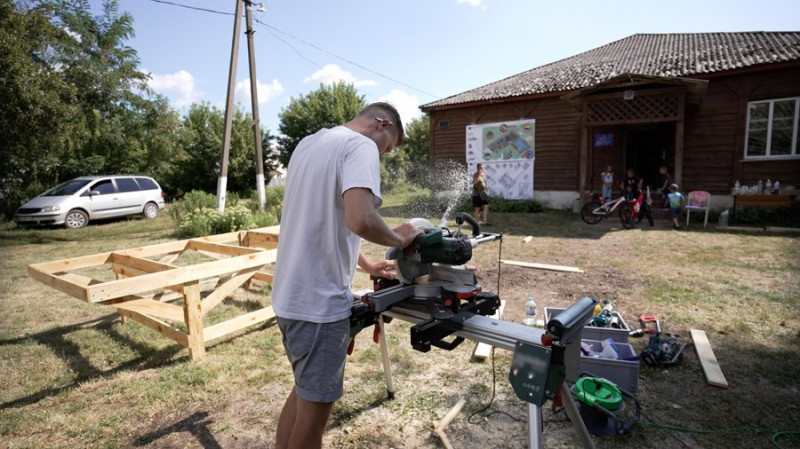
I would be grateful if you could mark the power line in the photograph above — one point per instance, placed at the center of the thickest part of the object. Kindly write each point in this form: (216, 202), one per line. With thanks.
(347, 60)
(196, 8)
(271, 28)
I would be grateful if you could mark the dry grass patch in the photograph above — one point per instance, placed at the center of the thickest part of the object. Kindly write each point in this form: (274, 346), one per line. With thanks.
(71, 375)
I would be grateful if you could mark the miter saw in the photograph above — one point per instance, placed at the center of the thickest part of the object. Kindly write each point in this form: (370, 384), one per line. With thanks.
(431, 276)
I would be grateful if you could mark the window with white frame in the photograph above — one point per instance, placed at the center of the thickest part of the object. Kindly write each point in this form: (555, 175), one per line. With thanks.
(772, 129)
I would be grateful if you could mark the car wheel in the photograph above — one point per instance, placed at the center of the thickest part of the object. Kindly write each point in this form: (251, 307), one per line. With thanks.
(76, 218)
(150, 210)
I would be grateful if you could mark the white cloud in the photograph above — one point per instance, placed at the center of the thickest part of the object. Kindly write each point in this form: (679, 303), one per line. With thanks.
(407, 105)
(332, 73)
(179, 87)
(475, 3)
(265, 92)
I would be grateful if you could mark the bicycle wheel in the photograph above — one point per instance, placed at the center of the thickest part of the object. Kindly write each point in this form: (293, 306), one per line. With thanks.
(626, 216)
(588, 215)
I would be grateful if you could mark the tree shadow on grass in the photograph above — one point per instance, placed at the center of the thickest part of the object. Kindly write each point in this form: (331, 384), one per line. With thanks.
(82, 368)
(197, 424)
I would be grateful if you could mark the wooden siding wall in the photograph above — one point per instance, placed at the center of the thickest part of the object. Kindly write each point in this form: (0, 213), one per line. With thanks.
(557, 137)
(715, 133)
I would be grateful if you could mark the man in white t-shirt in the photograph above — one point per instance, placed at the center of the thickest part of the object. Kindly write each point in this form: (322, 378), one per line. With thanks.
(331, 202)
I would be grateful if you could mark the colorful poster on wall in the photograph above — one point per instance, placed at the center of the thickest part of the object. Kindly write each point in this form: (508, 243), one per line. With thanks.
(507, 151)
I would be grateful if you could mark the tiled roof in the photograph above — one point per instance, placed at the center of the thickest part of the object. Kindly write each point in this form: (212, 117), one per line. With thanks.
(665, 55)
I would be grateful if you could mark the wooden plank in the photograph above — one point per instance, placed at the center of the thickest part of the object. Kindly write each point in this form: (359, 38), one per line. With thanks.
(707, 359)
(74, 263)
(154, 308)
(178, 276)
(438, 429)
(155, 250)
(157, 325)
(260, 240)
(260, 276)
(129, 266)
(56, 282)
(221, 248)
(542, 266)
(228, 287)
(482, 350)
(193, 318)
(240, 322)
(171, 257)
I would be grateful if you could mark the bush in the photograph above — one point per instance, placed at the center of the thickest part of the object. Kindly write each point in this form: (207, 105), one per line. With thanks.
(199, 222)
(506, 206)
(196, 199)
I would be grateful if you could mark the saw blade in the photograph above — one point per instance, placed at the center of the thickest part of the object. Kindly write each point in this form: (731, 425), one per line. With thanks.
(407, 269)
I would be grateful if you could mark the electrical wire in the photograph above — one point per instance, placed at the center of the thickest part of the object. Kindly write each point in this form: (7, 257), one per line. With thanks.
(491, 400)
(341, 58)
(196, 8)
(271, 28)
(775, 434)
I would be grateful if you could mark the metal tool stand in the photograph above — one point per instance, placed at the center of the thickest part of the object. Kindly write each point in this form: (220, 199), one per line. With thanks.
(501, 334)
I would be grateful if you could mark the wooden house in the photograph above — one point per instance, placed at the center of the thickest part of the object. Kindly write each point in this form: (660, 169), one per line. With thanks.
(714, 107)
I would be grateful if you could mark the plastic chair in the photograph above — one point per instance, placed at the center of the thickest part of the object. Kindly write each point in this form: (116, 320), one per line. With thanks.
(698, 200)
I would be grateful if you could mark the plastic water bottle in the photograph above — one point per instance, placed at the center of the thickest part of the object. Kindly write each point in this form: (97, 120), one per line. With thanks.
(530, 312)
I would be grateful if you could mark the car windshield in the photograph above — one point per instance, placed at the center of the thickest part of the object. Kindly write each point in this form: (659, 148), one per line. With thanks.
(67, 188)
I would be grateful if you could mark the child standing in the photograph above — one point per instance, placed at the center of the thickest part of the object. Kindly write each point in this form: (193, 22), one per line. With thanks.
(608, 182)
(675, 200)
(664, 181)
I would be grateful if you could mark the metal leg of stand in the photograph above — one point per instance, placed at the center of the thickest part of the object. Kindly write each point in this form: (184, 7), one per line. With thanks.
(387, 367)
(534, 427)
(575, 417)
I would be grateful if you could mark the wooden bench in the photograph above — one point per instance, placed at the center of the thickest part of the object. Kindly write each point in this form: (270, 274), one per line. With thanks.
(761, 201)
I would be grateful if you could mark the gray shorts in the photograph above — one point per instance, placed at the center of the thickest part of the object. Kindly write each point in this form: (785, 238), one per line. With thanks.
(317, 353)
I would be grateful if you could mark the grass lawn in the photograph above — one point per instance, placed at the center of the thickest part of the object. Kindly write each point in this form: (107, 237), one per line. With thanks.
(72, 375)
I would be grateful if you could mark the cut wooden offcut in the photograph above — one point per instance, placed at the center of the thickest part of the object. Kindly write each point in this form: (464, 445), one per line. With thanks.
(482, 350)
(448, 418)
(542, 266)
(708, 360)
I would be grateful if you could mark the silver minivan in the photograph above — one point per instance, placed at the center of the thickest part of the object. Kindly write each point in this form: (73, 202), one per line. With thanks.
(76, 202)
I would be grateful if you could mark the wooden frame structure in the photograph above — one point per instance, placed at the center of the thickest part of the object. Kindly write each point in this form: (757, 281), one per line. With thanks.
(145, 282)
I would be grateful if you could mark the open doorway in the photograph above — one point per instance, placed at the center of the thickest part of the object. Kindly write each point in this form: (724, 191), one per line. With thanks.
(648, 146)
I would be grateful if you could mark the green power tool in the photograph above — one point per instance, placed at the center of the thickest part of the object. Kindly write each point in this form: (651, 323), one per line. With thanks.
(436, 245)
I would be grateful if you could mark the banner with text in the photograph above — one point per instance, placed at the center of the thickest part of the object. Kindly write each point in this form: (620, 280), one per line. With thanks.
(507, 151)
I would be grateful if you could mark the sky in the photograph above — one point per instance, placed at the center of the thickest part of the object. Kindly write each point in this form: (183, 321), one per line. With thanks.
(406, 52)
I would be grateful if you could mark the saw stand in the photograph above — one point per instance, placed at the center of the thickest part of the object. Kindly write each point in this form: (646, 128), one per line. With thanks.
(512, 337)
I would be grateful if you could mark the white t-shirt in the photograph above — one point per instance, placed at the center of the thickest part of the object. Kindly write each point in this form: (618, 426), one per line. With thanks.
(317, 252)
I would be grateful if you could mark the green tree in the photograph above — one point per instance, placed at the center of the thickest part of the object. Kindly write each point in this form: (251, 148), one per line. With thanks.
(409, 163)
(40, 123)
(197, 163)
(92, 54)
(325, 107)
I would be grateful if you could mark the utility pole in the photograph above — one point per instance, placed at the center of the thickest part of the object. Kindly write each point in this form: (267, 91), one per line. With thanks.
(222, 182)
(262, 199)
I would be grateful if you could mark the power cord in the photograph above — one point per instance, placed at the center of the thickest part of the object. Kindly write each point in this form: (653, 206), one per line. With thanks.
(775, 434)
(486, 407)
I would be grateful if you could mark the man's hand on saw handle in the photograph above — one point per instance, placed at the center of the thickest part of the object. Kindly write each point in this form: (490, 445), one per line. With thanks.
(408, 232)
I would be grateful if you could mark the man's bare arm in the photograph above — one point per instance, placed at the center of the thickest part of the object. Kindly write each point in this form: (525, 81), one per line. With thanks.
(361, 217)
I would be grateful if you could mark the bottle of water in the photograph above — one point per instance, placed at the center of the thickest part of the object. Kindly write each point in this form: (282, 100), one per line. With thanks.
(530, 312)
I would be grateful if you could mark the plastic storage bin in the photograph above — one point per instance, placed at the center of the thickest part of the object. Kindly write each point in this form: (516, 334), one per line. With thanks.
(624, 373)
(619, 335)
